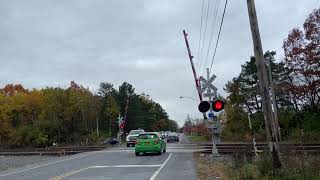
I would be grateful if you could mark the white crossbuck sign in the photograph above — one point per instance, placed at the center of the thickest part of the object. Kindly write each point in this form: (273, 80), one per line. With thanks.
(120, 119)
(206, 85)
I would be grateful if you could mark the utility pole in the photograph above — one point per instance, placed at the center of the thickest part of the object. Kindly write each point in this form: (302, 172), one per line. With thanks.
(270, 124)
(110, 133)
(97, 120)
(126, 110)
(274, 103)
(193, 69)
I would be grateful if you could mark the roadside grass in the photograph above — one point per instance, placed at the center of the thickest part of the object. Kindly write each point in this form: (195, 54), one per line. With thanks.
(198, 139)
(239, 167)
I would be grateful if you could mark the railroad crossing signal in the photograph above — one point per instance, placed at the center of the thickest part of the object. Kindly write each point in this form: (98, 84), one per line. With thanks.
(120, 122)
(216, 105)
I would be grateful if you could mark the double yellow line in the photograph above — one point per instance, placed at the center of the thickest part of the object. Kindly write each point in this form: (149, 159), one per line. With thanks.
(68, 174)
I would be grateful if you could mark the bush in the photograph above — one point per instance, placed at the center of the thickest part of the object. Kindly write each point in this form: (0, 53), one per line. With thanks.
(41, 140)
(93, 137)
(22, 136)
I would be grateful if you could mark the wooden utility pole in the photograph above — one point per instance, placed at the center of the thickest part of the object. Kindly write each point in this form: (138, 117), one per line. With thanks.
(270, 124)
(274, 102)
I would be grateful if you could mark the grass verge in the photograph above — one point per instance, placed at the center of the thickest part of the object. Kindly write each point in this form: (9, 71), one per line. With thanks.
(239, 167)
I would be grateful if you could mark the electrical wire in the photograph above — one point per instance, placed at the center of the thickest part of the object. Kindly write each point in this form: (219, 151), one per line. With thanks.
(213, 28)
(205, 30)
(198, 63)
(215, 49)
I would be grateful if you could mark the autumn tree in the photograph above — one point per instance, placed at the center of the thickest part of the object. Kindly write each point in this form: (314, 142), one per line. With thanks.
(73, 115)
(302, 57)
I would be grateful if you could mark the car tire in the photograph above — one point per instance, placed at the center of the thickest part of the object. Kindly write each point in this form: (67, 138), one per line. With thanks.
(137, 153)
(128, 145)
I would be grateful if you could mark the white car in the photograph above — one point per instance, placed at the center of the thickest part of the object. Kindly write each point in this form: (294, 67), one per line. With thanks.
(132, 137)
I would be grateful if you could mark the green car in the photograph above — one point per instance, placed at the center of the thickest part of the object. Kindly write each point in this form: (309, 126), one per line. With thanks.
(150, 142)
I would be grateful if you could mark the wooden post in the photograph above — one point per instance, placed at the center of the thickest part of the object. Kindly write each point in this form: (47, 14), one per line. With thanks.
(274, 102)
(270, 125)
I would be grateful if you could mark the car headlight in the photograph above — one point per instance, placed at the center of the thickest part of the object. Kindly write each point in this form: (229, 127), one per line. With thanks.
(127, 139)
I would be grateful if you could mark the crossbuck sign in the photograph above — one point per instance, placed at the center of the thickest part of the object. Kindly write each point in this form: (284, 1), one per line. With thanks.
(206, 85)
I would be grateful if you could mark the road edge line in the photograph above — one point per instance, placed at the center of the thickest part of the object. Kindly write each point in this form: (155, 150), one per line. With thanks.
(158, 171)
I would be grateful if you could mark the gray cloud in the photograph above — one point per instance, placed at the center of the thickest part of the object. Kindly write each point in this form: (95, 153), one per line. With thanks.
(50, 43)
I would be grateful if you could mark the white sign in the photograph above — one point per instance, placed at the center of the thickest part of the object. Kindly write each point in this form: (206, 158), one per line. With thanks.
(209, 94)
(120, 119)
(213, 126)
(206, 84)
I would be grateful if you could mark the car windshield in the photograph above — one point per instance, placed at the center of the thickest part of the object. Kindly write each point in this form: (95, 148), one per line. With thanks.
(135, 132)
(147, 136)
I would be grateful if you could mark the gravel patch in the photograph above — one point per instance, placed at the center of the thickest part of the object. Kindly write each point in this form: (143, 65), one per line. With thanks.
(11, 162)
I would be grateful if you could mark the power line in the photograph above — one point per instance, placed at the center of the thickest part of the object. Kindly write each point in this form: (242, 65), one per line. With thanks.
(205, 30)
(215, 49)
(213, 27)
(198, 64)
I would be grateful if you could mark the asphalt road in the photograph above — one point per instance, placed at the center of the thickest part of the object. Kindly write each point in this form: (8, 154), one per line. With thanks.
(115, 163)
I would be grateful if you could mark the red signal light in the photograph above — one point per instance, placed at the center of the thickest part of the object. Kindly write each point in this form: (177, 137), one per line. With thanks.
(217, 105)
(122, 125)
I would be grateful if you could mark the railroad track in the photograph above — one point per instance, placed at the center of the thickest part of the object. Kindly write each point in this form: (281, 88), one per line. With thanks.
(51, 151)
(232, 148)
(224, 148)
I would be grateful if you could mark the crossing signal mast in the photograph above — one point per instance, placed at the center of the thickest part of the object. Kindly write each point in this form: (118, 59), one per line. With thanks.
(213, 104)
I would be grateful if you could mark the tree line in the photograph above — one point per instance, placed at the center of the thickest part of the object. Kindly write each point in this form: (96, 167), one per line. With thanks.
(40, 117)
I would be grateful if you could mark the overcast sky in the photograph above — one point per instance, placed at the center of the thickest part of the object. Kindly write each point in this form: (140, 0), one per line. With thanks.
(50, 43)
